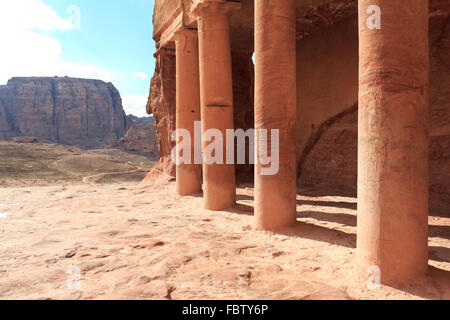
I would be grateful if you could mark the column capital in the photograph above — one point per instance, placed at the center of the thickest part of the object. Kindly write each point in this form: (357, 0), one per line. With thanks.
(184, 34)
(211, 8)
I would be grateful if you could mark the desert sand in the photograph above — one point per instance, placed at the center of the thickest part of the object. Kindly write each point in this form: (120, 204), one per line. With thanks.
(136, 241)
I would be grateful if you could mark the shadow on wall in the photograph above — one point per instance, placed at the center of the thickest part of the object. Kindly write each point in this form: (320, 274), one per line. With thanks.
(329, 164)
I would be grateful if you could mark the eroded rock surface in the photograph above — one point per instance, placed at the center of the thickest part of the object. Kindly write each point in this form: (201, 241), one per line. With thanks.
(65, 110)
(161, 103)
(140, 138)
(330, 157)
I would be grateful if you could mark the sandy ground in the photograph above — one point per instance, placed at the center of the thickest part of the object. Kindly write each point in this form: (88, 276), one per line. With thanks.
(130, 241)
(45, 163)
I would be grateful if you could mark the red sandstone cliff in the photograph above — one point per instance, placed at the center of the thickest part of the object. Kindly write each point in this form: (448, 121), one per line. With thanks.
(139, 139)
(66, 110)
(327, 91)
(331, 155)
(161, 103)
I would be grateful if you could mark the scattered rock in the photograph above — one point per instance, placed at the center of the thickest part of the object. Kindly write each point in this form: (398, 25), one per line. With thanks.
(149, 244)
(70, 254)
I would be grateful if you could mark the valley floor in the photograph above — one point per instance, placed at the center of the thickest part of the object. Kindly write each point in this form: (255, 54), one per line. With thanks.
(130, 241)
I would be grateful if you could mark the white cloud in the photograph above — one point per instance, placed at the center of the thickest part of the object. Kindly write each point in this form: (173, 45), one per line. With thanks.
(135, 105)
(31, 15)
(28, 51)
(141, 75)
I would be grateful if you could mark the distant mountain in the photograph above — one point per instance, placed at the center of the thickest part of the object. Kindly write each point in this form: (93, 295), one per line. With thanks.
(81, 112)
(140, 138)
(141, 120)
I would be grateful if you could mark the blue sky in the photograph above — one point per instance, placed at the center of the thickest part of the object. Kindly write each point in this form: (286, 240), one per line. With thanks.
(106, 39)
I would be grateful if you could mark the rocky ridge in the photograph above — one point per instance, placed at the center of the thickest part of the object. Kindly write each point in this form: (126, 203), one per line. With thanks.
(80, 112)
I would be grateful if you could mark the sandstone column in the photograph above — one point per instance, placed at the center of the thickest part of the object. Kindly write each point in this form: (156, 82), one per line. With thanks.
(393, 139)
(275, 108)
(189, 178)
(216, 94)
